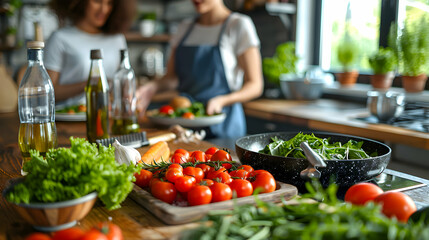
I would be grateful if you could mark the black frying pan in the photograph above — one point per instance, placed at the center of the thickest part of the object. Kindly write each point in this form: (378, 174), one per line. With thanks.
(343, 172)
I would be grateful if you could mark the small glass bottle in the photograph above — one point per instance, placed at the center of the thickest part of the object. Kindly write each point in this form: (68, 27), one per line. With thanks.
(124, 112)
(97, 99)
(36, 106)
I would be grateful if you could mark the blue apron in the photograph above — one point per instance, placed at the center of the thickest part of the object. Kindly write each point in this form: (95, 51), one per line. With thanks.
(202, 76)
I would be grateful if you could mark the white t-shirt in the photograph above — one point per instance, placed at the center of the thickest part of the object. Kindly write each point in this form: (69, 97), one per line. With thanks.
(238, 36)
(68, 52)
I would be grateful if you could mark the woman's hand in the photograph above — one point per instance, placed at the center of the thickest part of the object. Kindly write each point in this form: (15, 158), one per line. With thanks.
(144, 95)
(215, 105)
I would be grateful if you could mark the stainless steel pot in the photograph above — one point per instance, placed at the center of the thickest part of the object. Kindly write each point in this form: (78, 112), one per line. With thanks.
(385, 105)
(301, 88)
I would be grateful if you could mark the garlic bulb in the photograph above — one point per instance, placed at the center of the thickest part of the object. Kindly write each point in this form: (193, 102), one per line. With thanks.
(125, 154)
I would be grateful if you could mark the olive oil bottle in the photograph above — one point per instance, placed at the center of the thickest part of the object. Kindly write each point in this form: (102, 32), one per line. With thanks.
(36, 106)
(124, 114)
(97, 100)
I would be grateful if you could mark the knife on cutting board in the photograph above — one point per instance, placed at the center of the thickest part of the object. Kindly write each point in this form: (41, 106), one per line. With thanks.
(136, 140)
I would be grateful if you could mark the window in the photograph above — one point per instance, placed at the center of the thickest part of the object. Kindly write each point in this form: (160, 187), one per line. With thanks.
(363, 19)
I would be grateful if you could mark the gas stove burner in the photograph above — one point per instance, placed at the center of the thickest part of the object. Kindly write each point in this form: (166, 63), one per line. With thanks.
(415, 117)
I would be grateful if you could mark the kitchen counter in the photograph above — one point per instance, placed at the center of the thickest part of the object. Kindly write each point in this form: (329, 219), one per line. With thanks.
(135, 221)
(333, 116)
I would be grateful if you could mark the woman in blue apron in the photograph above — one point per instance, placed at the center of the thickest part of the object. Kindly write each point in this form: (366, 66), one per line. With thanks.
(216, 61)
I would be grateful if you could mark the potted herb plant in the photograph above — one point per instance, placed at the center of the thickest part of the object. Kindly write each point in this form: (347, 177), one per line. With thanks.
(147, 24)
(413, 52)
(347, 53)
(382, 63)
(283, 62)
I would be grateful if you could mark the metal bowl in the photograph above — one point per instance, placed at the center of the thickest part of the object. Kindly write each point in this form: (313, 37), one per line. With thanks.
(301, 88)
(286, 169)
(49, 217)
(385, 105)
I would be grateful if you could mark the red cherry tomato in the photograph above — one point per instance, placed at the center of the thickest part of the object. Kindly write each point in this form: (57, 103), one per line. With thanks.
(206, 168)
(361, 193)
(221, 155)
(207, 182)
(94, 234)
(396, 204)
(164, 191)
(223, 177)
(247, 168)
(212, 173)
(73, 233)
(173, 174)
(182, 151)
(220, 192)
(241, 187)
(176, 165)
(153, 181)
(166, 109)
(111, 230)
(199, 156)
(143, 178)
(188, 115)
(178, 158)
(185, 183)
(262, 179)
(211, 150)
(239, 173)
(197, 173)
(199, 195)
(38, 236)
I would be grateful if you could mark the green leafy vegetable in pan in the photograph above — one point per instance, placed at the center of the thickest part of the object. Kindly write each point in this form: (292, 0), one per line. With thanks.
(69, 173)
(328, 151)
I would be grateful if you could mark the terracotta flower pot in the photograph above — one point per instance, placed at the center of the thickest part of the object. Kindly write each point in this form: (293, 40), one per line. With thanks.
(382, 81)
(414, 84)
(347, 79)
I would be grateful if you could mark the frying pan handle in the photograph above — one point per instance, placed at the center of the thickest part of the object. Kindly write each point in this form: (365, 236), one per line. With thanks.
(312, 157)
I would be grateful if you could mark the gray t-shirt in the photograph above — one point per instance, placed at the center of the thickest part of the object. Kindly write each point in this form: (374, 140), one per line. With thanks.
(68, 52)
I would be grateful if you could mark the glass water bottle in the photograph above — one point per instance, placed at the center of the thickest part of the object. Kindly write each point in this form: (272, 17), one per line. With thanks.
(36, 106)
(124, 102)
(97, 99)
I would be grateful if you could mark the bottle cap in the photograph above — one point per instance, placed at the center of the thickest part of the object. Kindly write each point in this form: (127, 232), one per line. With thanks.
(35, 45)
(96, 54)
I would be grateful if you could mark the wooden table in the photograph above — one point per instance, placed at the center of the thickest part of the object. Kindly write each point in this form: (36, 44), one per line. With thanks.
(134, 220)
(333, 116)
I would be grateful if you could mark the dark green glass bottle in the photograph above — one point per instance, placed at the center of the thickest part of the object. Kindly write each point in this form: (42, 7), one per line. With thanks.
(97, 99)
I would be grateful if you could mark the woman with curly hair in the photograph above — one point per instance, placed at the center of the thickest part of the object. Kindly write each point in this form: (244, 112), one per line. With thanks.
(86, 25)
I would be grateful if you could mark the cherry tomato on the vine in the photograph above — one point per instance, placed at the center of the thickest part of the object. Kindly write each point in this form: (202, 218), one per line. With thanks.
(247, 168)
(173, 174)
(185, 183)
(212, 173)
(211, 150)
(206, 168)
(221, 155)
(199, 156)
(199, 195)
(195, 172)
(206, 182)
(143, 178)
(220, 192)
(223, 177)
(182, 151)
(164, 191)
(111, 230)
(262, 179)
(239, 173)
(176, 165)
(178, 158)
(241, 187)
